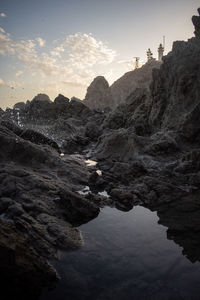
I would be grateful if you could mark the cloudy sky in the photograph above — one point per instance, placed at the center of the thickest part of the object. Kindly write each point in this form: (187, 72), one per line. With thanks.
(59, 46)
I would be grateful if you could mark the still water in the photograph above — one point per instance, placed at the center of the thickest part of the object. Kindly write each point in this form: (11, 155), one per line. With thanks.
(126, 256)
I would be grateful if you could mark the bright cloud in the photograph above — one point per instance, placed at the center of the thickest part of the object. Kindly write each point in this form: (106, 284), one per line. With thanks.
(87, 51)
(3, 15)
(6, 44)
(10, 84)
(18, 73)
(71, 62)
(40, 41)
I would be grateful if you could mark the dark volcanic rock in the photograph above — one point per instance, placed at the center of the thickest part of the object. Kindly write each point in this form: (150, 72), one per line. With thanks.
(130, 81)
(38, 198)
(96, 93)
(159, 129)
(100, 95)
(23, 273)
(196, 22)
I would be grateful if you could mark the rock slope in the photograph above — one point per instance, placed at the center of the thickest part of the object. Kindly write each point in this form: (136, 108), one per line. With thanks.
(148, 150)
(100, 95)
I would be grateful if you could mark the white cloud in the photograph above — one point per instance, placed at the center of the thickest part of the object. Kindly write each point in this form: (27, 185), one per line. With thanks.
(18, 73)
(40, 41)
(10, 84)
(3, 15)
(85, 50)
(70, 63)
(6, 44)
(2, 82)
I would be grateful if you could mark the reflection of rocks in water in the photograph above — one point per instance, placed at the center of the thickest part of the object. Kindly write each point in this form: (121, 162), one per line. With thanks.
(23, 272)
(183, 221)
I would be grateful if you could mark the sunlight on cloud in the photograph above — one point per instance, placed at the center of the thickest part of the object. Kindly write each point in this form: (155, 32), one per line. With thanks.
(87, 51)
(18, 73)
(70, 63)
(3, 15)
(10, 84)
(6, 44)
(40, 41)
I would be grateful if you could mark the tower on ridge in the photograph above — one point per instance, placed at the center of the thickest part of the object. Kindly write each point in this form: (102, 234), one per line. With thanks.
(161, 49)
(149, 55)
(137, 62)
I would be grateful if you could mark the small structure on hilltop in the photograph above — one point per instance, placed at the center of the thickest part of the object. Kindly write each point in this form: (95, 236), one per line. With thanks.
(149, 55)
(137, 62)
(160, 52)
(161, 49)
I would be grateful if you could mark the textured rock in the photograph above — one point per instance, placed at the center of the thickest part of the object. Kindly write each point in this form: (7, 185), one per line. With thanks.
(100, 95)
(96, 93)
(23, 272)
(38, 195)
(130, 81)
(196, 22)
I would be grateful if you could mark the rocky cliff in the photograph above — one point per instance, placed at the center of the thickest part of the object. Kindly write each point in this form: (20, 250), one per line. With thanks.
(147, 148)
(100, 95)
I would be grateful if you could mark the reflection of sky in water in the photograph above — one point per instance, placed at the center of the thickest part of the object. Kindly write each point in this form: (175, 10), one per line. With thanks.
(126, 256)
(90, 162)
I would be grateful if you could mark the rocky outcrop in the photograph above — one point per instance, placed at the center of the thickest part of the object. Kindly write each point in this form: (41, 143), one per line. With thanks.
(175, 91)
(23, 272)
(39, 207)
(100, 95)
(157, 128)
(95, 96)
(68, 123)
(130, 81)
(196, 22)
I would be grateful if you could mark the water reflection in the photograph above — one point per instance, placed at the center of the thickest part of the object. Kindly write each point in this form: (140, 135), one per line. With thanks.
(90, 163)
(126, 256)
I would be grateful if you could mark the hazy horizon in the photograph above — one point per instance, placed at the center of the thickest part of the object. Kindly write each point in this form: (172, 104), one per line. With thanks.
(60, 47)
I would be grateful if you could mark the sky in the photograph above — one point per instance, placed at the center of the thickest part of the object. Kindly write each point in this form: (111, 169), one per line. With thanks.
(60, 46)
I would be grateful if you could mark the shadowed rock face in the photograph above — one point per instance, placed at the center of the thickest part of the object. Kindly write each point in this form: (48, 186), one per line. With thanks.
(23, 273)
(39, 206)
(196, 22)
(100, 95)
(69, 124)
(157, 128)
(94, 98)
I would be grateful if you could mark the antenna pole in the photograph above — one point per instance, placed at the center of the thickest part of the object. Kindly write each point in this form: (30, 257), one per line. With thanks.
(163, 41)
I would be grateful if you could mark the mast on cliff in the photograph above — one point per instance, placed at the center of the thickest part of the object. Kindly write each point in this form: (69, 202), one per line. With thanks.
(137, 62)
(161, 49)
(149, 55)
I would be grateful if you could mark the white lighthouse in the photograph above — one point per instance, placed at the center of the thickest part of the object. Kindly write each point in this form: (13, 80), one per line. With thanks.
(160, 52)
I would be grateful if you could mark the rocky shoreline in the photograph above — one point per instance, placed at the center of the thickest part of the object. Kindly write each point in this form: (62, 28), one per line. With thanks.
(147, 149)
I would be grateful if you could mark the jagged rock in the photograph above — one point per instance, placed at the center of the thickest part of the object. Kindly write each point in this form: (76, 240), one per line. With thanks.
(130, 81)
(23, 272)
(196, 22)
(96, 92)
(133, 113)
(100, 95)
(175, 91)
(41, 98)
(19, 106)
(34, 181)
(61, 100)
(30, 135)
